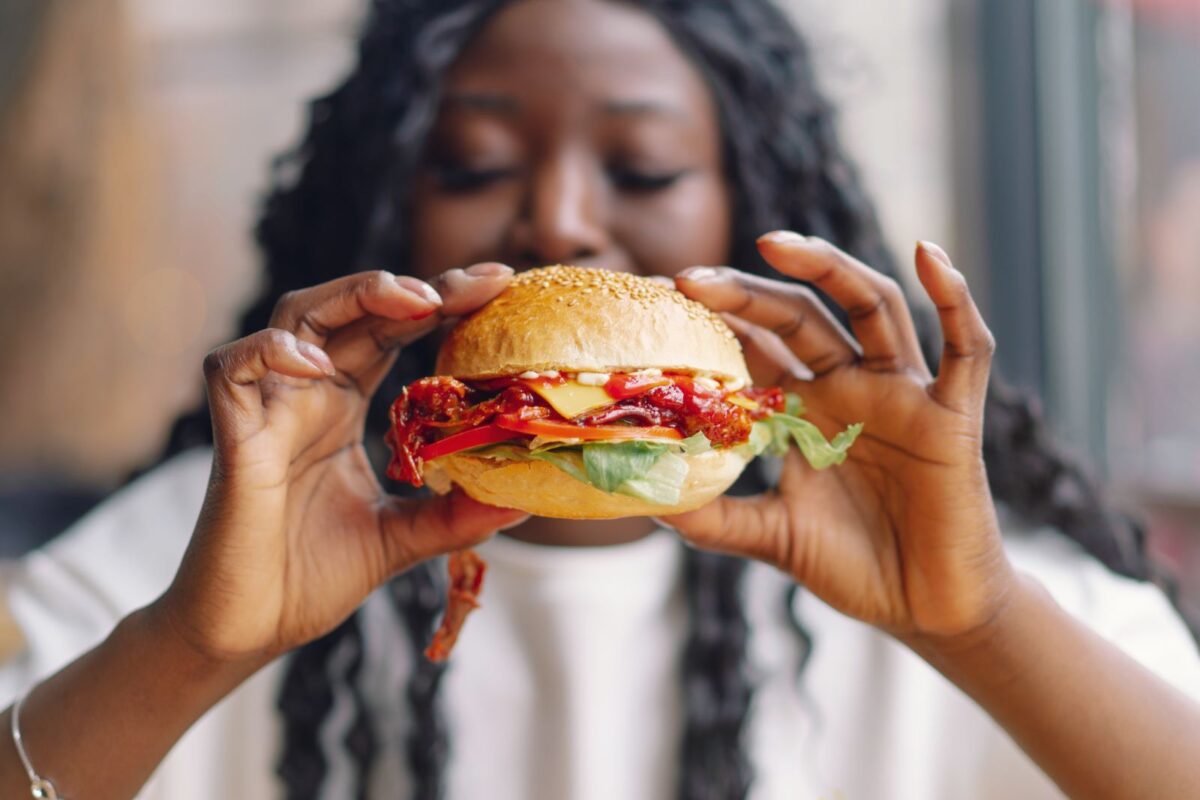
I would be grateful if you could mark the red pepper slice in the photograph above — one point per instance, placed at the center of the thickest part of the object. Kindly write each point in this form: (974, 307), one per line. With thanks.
(476, 437)
(590, 433)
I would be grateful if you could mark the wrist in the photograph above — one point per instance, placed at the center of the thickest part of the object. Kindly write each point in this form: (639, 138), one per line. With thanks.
(159, 625)
(133, 695)
(989, 644)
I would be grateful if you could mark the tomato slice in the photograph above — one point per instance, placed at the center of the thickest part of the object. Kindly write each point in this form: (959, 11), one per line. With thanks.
(624, 385)
(589, 433)
(476, 437)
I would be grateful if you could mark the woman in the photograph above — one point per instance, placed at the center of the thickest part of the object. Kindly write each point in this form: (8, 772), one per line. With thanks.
(648, 138)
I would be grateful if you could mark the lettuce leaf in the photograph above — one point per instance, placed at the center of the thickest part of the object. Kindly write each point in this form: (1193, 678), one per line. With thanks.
(568, 459)
(696, 444)
(652, 471)
(661, 484)
(610, 465)
(655, 470)
(773, 435)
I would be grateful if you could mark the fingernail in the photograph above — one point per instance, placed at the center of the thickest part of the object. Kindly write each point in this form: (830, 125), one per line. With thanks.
(782, 237)
(937, 252)
(661, 280)
(662, 523)
(518, 521)
(490, 269)
(702, 274)
(420, 288)
(316, 356)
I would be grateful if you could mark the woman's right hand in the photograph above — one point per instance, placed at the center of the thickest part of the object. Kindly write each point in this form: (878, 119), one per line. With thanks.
(295, 530)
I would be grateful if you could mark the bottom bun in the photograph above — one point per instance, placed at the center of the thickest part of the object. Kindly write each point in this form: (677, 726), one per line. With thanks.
(546, 491)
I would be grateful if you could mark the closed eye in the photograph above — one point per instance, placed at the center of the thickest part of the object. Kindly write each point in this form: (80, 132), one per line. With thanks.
(642, 181)
(457, 178)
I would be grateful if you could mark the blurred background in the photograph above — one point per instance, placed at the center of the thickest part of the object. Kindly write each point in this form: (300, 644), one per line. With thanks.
(1053, 147)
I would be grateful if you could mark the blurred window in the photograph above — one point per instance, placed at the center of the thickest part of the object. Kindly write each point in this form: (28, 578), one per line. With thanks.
(1089, 189)
(1154, 417)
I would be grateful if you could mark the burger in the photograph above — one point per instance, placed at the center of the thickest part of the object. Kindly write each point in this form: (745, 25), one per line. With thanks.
(589, 394)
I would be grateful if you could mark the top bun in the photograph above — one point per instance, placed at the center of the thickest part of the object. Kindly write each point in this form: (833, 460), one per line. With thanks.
(574, 319)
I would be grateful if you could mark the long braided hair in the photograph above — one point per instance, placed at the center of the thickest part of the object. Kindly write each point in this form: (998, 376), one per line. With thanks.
(336, 196)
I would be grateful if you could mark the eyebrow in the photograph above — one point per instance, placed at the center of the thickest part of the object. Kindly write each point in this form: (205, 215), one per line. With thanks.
(506, 105)
(644, 108)
(476, 101)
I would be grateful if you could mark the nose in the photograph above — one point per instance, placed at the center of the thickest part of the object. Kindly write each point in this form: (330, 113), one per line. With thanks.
(563, 219)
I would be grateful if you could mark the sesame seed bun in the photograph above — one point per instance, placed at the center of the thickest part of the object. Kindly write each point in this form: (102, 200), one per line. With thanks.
(590, 320)
(586, 320)
(545, 490)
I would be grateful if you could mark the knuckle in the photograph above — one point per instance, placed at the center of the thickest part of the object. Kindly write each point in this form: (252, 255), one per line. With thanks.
(789, 326)
(286, 306)
(214, 362)
(987, 343)
(819, 365)
(277, 339)
(868, 307)
(737, 302)
(890, 290)
(374, 281)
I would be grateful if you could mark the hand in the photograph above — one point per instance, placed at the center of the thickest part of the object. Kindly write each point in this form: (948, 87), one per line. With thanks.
(903, 535)
(295, 529)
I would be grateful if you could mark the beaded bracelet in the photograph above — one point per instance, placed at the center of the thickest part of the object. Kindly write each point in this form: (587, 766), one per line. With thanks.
(39, 787)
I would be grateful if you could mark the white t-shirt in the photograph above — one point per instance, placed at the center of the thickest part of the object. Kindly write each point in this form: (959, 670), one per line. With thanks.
(565, 684)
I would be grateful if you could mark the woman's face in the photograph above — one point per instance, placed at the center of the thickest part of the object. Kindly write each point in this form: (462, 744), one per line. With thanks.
(573, 131)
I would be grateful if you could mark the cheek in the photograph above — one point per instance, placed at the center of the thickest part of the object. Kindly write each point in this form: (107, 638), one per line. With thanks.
(456, 231)
(689, 226)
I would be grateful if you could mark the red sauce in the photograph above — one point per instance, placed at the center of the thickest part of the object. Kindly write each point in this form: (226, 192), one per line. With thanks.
(770, 401)
(432, 408)
(685, 406)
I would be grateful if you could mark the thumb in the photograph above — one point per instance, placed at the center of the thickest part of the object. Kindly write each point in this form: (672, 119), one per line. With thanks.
(751, 527)
(415, 530)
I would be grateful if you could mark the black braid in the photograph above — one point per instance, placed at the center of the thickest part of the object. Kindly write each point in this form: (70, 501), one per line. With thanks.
(305, 701)
(419, 596)
(338, 204)
(361, 741)
(716, 683)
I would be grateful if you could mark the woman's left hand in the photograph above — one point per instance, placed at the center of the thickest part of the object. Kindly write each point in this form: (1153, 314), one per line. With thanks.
(903, 535)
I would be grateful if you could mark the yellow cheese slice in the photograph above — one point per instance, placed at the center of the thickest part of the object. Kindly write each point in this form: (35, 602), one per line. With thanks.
(572, 399)
(743, 401)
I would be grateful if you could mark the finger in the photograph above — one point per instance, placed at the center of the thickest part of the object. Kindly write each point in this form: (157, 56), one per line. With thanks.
(770, 361)
(365, 350)
(750, 527)
(466, 290)
(416, 530)
(314, 314)
(966, 362)
(791, 312)
(879, 315)
(233, 372)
